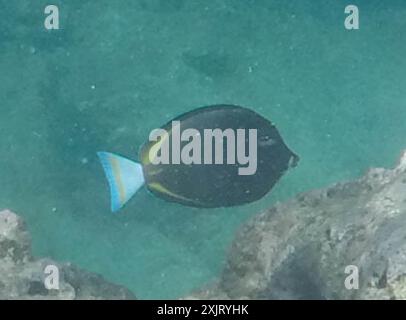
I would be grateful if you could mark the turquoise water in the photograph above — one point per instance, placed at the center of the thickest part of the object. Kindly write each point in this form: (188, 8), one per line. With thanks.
(117, 70)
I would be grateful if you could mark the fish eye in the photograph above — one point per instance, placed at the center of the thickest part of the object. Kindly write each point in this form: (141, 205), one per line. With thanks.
(266, 141)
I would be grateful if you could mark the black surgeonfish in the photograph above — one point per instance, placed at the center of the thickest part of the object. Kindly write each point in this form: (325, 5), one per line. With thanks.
(215, 156)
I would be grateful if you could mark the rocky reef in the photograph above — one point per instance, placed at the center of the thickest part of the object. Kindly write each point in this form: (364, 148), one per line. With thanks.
(300, 249)
(22, 276)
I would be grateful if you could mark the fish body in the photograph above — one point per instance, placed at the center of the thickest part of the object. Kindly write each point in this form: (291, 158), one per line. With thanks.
(215, 156)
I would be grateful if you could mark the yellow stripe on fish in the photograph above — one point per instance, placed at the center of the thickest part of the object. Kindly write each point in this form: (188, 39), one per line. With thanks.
(153, 150)
(156, 186)
(117, 177)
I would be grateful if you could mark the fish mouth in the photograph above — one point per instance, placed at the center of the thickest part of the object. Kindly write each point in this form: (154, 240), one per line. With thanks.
(293, 161)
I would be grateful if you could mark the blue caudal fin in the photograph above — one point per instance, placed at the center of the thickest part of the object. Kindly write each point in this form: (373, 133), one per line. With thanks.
(125, 177)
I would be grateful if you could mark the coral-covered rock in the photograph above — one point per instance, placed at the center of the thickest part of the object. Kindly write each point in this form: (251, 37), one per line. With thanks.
(301, 248)
(23, 277)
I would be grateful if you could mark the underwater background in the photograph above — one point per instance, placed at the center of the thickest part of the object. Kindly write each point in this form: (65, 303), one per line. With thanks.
(117, 70)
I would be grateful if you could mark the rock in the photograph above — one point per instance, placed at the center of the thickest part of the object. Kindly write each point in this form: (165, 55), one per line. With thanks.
(22, 276)
(300, 249)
